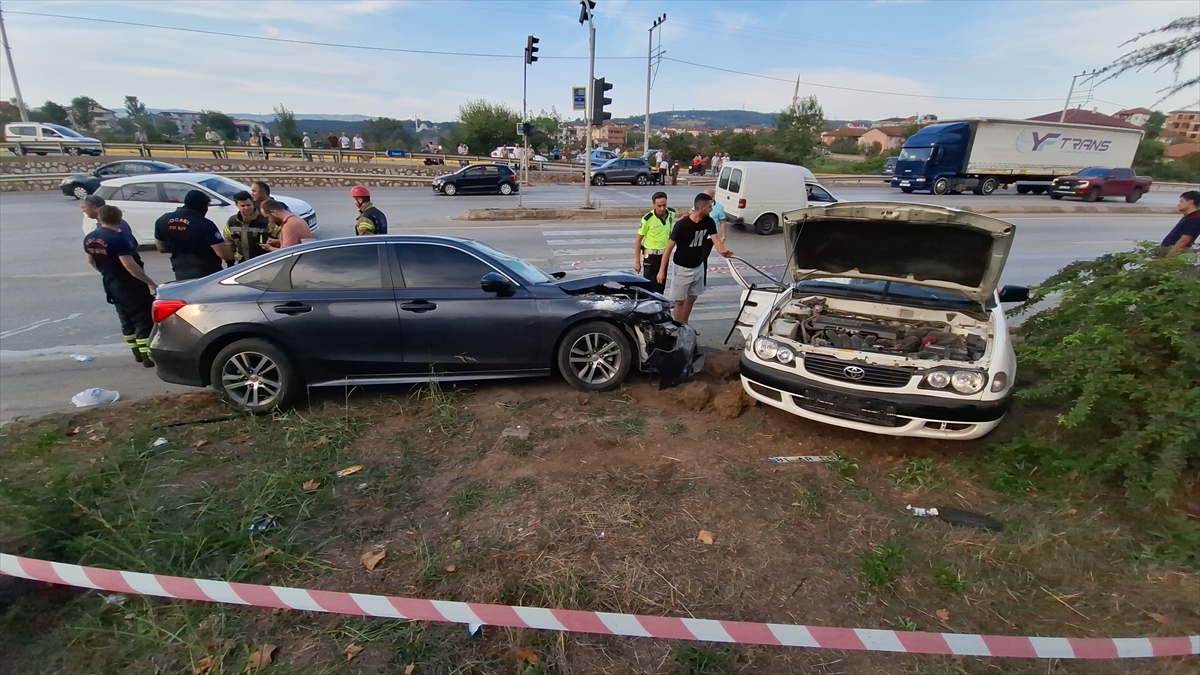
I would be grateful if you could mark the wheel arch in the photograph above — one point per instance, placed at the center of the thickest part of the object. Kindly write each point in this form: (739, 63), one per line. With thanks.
(214, 347)
(588, 317)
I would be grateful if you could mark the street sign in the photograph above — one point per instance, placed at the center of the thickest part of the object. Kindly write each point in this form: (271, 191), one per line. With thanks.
(579, 98)
(397, 153)
(520, 128)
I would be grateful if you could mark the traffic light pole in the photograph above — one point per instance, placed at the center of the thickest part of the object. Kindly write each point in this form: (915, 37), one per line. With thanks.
(525, 136)
(587, 152)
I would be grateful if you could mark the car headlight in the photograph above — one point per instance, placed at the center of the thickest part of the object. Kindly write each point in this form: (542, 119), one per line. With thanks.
(649, 307)
(920, 180)
(999, 382)
(938, 379)
(785, 355)
(967, 381)
(766, 349)
(1083, 184)
(65, 181)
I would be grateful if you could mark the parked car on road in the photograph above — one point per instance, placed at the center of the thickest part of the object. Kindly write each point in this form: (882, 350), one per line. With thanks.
(397, 309)
(478, 179)
(80, 185)
(889, 166)
(1097, 182)
(599, 157)
(888, 321)
(756, 194)
(144, 198)
(498, 153)
(41, 138)
(634, 171)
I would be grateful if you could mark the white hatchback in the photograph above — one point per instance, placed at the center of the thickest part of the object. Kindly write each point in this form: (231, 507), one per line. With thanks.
(143, 199)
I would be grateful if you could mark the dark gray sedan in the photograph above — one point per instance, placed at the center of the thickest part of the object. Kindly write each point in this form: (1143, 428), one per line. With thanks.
(408, 309)
(80, 185)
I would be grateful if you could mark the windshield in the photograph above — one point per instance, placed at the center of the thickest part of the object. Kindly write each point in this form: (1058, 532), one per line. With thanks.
(915, 154)
(1093, 172)
(528, 273)
(65, 131)
(894, 291)
(223, 186)
(611, 162)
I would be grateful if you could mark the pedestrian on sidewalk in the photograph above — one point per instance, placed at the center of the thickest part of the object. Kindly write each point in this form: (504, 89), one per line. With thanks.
(359, 145)
(691, 240)
(663, 168)
(333, 146)
(651, 241)
(292, 228)
(1187, 230)
(716, 164)
(306, 143)
(675, 173)
(126, 285)
(213, 138)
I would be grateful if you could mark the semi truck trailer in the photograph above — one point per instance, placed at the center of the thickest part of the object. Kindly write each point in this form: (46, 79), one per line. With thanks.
(984, 154)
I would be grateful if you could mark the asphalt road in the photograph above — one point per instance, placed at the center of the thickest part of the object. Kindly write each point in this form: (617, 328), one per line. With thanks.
(52, 306)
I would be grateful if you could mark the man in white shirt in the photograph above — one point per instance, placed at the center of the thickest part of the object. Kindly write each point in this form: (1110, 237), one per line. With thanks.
(306, 143)
(213, 138)
(658, 157)
(663, 168)
(344, 141)
(359, 144)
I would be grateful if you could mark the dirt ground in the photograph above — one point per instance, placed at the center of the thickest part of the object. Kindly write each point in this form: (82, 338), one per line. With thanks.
(535, 495)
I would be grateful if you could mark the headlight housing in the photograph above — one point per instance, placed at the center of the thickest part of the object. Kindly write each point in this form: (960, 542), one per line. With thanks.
(766, 349)
(650, 307)
(938, 379)
(785, 355)
(958, 381)
(1083, 184)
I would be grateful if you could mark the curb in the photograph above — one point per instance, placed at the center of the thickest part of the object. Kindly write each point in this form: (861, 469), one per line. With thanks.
(476, 615)
(638, 211)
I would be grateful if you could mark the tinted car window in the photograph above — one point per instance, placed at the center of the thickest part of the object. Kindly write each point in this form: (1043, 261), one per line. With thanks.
(23, 131)
(1122, 173)
(262, 277)
(140, 192)
(111, 170)
(341, 268)
(724, 181)
(177, 191)
(107, 192)
(735, 181)
(432, 266)
(817, 193)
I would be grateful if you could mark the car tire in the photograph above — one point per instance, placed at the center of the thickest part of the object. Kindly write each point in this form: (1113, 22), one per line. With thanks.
(598, 179)
(1091, 195)
(1023, 189)
(506, 189)
(986, 186)
(1039, 189)
(766, 223)
(595, 356)
(1056, 196)
(907, 190)
(642, 179)
(941, 186)
(1132, 197)
(244, 369)
(79, 192)
(450, 189)
(73, 151)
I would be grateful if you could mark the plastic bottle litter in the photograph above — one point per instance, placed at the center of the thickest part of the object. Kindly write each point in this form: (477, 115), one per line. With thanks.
(262, 524)
(117, 600)
(159, 442)
(918, 511)
(96, 396)
(81, 357)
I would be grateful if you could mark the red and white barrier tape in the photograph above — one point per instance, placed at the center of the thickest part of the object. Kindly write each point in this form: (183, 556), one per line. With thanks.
(602, 623)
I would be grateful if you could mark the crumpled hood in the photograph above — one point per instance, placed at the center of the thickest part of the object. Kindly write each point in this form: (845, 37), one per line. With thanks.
(585, 282)
(918, 244)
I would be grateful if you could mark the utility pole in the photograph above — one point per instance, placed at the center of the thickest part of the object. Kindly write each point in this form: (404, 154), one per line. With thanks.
(586, 15)
(12, 71)
(649, 62)
(1071, 92)
(795, 94)
(530, 56)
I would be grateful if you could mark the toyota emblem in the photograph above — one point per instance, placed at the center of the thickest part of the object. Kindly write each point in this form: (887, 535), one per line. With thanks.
(854, 372)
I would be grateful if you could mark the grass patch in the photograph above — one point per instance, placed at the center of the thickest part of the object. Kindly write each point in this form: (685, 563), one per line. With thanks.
(843, 466)
(675, 428)
(468, 499)
(519, 486)
(1024, 465)
(703, 659)
(518, 447)
(741, 472)
(917, 473)
(445, 415)
(630, 424)
(949, 579)
(879, 566)
(809, 502)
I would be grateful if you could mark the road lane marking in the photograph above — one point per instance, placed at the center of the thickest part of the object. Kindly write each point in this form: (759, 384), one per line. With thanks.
(60, 275)
(577, 233)
(115, 349)
(568, 242)
(588, 251)
(37, 324)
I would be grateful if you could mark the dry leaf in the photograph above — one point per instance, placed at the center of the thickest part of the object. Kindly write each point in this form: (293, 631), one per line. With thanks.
(324, 440)
(450, 568)
(264, 553)
(706, 537)
(310, 485)
(204, 665)
(352, 651)
(349, 470)
(1157, 617)
(200, 444)
(892, 532)
(261, 658)
(526, 655)
(371, 558)
(408, 670)
(74, 431)
(240, 438)
(1071, 512)
(943, 614)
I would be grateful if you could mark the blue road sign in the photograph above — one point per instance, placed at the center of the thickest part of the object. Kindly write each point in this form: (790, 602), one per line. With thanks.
(579, 98)
(397, 153)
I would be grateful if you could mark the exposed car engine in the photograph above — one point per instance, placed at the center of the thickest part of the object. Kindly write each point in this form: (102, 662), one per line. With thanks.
(810, 322)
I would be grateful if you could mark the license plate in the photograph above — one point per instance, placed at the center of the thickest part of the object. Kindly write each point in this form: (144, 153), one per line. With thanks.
(905, 183)
(1064, 189)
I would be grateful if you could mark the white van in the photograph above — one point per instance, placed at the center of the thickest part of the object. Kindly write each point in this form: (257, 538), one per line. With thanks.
(41, 138)
(756, 194)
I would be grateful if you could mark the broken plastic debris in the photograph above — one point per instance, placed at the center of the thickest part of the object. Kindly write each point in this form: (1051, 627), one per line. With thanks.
(360, 486)
(159, 442)
(473, 629)
(114, 600)
(262, 524)
(918, 511)
(515, 432)
(96, 396)
(84, 358)
(800, 458)
(349, 470)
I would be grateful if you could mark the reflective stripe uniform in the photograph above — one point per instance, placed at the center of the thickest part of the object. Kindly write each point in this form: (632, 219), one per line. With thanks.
(370, 220)
(655, 232)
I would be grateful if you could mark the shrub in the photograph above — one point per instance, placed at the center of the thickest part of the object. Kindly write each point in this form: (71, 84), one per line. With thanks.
(1117, 340)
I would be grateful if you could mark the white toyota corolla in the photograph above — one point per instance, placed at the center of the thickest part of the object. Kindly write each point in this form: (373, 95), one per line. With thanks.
(888, 321)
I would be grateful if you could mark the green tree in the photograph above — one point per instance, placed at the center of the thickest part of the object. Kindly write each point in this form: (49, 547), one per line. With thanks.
(386, 133)
(81, 112)
(134, 107)
(845, 145)
(798, 130)
(1154, 125)
(285, 126)
(1175, 53)
(51, 112)
(484, 126)
(220, 123)
(547, 129)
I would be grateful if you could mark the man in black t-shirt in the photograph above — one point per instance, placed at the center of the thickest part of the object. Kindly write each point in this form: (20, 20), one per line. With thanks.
(126, 284)
(194, 242)
(692, 238)
(1187, 230)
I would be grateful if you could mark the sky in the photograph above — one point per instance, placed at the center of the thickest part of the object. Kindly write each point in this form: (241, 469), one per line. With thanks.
(949, 58)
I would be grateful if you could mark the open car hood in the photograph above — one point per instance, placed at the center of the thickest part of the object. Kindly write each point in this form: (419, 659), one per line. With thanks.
(918, 244)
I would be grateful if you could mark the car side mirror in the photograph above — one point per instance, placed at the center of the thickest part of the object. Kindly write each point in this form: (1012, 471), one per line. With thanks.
(494, 282)
(1014, 294)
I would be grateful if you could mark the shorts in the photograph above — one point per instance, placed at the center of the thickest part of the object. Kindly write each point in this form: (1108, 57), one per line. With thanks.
(686, 281)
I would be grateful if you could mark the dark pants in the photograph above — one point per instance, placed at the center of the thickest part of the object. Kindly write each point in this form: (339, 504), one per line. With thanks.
(133, 303)
(650, 265)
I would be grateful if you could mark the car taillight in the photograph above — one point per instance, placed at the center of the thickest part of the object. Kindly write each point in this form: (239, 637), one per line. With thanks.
(165, 308)
(741, 203)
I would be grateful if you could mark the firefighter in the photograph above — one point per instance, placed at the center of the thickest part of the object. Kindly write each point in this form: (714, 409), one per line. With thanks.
(126, 284)
(370, 219)
(194, 242)
(247, 230)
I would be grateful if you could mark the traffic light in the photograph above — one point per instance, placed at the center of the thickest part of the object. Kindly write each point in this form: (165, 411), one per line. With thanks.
(585, 10)
(531, 50)
(599, 87)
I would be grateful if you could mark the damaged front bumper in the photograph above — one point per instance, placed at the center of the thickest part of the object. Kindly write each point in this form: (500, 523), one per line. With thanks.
(670, 350)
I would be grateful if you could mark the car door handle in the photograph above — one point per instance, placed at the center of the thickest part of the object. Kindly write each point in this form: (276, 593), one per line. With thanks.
(293, 308)
(418, 306)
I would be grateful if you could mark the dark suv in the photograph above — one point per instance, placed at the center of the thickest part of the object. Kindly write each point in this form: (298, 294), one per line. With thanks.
(478, 179)
(620, 170)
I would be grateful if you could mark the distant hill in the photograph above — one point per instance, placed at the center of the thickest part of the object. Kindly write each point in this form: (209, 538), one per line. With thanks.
(713, 119)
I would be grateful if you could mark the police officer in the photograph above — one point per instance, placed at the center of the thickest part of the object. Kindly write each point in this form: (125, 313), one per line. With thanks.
(126, 284)
(247, 230)
(652, 237)
(194, 242)
(370, 219)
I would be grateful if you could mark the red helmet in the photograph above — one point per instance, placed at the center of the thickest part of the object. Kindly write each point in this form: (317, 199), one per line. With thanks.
(359, 191)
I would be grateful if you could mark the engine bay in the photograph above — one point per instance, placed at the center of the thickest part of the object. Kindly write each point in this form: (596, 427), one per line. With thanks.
(810, 321)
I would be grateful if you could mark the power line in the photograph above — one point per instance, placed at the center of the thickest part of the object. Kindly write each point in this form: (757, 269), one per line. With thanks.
(866, 91)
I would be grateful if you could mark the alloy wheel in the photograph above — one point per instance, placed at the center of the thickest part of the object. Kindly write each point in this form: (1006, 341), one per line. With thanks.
(595, 358)
(251, 379)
